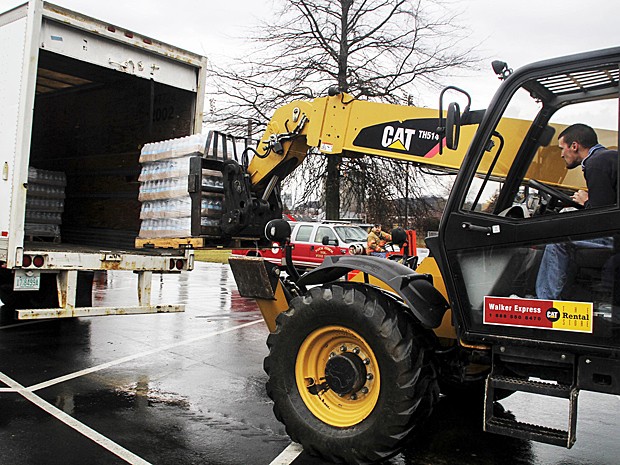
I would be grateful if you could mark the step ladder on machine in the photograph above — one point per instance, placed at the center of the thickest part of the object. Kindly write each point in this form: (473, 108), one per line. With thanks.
(511, 427)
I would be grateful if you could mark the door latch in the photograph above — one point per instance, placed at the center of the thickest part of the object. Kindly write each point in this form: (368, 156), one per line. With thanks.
(488, 230)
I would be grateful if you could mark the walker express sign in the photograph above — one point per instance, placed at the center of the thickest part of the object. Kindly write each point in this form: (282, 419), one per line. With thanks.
(415, 137)
(534, 313)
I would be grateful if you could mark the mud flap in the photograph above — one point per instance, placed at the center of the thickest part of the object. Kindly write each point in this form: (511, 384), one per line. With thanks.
(417, 290)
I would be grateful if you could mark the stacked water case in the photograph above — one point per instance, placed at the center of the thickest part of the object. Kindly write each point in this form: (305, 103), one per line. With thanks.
(45, 203)
(167, 207)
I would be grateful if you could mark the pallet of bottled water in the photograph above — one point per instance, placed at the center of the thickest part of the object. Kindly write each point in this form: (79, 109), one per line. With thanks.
(45, 202)
(167, 207)
(173, 148)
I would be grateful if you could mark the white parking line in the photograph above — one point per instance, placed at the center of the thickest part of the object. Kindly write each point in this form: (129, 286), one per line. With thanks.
(112, 363)
(68, 420)
(288, 455)
(28, 393)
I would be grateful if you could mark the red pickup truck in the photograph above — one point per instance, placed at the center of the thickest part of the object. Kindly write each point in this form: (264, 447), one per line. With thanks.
(313, 241)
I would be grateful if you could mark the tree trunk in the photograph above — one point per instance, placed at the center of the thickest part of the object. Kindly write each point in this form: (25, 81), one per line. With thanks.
(332, 183)
(380, 49)
(332, 188)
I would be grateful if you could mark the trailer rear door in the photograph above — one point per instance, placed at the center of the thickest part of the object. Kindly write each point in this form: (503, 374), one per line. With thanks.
(19, 29)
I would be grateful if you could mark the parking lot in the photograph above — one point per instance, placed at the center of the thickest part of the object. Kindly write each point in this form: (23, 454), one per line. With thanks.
(188, 388)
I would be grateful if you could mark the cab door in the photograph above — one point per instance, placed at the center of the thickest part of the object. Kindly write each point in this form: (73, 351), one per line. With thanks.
(319, 250)
(303, 246)
(500, 223)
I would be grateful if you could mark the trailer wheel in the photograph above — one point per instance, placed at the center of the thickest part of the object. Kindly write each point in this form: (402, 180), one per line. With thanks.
(350, 373)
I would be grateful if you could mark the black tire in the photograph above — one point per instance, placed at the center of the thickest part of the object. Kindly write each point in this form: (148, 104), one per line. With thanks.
(398, 351)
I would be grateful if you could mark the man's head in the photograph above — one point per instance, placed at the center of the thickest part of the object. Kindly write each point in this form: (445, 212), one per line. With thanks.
(376, 228)
(575, 142)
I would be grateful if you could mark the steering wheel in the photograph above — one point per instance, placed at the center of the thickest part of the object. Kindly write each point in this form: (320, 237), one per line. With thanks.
(566, 200)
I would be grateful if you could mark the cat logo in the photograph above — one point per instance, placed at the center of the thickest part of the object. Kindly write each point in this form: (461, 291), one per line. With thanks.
(397, 138)
(417, 137)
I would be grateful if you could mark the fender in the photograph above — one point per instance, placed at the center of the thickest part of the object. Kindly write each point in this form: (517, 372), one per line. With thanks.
(417, 290)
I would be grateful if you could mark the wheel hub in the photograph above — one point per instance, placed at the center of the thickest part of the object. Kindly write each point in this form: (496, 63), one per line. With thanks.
(337, 376)
(345, 373)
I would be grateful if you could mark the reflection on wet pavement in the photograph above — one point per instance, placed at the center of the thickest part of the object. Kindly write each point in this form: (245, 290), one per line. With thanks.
(454, 435)
(216, 287)
(189, 388)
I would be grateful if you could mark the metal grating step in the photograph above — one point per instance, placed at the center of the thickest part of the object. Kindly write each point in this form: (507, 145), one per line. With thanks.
(563, 391)
(527, 431)
(511, 427)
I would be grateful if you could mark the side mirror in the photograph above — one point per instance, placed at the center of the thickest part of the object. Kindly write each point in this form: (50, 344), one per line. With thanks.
(546, 136)
(327, 241)
(450, 128)
(453, 126)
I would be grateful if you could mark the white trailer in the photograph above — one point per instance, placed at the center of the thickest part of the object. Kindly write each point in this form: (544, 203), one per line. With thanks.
(80, 97)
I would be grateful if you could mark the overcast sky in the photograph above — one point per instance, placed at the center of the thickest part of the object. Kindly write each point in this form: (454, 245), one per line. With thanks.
(515, 31)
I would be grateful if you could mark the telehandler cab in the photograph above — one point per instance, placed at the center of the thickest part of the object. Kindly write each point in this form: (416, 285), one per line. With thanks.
(355, 366)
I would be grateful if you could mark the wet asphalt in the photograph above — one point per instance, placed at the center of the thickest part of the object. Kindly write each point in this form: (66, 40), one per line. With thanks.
(188, 388)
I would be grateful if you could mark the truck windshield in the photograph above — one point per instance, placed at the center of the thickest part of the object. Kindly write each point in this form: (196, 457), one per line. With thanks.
(350, 234)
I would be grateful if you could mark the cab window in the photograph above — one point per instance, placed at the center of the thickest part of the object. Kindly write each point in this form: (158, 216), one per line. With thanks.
(303, 233)
(323, 231)
(527, 149)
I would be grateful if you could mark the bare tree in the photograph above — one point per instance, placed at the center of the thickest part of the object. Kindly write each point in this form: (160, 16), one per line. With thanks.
(386, 50)
(393, 193)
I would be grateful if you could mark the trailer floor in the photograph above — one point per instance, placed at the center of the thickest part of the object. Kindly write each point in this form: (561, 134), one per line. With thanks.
(41, 246)
(188, 388)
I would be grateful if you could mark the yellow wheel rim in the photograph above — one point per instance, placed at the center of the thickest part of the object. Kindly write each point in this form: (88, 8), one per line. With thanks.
(326, 405)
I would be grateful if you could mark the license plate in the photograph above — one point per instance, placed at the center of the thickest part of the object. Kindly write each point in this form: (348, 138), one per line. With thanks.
(27, 280)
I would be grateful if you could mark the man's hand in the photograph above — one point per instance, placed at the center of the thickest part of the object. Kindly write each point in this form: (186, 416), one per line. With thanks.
(581, 197)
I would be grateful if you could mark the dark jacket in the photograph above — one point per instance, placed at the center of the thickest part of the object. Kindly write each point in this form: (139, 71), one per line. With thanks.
(600, 169)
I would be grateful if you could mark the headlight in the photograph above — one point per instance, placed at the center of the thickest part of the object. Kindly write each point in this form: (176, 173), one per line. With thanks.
(357, 249)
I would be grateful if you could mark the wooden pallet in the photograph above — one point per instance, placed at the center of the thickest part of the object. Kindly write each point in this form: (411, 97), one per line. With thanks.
(171, 243)
(192, 242)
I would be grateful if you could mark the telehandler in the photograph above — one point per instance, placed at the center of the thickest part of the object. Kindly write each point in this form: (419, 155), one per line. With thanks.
(355, 366)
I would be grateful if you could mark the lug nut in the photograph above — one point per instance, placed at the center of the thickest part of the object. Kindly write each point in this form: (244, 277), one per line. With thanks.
(343, 348)
(353, 397)
(332, 355)
(364, 390)
(366, 361)
(369, 376)
(356, 350)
